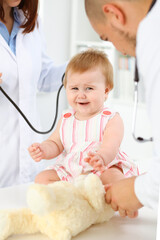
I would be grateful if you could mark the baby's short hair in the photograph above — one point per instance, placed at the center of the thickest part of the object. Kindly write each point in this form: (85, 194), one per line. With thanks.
(91, 59)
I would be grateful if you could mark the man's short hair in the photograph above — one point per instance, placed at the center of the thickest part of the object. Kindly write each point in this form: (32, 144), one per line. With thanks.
(94, 9)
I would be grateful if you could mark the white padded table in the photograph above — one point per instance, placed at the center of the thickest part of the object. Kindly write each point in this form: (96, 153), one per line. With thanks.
(141, 228)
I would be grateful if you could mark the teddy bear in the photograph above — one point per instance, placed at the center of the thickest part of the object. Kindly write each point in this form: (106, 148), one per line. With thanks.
(59, 210)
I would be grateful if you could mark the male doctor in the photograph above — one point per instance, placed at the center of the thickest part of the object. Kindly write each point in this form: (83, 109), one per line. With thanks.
(133, 26)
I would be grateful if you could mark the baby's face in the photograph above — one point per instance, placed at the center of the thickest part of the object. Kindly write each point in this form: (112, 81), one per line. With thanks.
(86, 92)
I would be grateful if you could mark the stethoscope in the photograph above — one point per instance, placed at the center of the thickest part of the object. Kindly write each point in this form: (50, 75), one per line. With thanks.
(136, 81)
(25, 118)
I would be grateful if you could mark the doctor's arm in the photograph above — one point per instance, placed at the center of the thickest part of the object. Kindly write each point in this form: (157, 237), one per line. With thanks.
(49, 148)
(51, 74)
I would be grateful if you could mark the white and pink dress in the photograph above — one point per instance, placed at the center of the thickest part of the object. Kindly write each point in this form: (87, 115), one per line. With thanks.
(80, 137)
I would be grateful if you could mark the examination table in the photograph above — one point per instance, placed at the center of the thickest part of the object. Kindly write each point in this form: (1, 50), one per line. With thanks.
(141, 228)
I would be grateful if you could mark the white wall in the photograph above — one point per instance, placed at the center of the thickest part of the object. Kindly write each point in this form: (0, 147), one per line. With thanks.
(55, 17)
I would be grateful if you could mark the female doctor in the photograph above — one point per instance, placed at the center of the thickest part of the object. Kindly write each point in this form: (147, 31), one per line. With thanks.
(24, 68)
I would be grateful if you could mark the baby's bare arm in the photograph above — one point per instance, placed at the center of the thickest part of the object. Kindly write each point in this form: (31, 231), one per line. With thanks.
(49, 148)
(112, 139)
(53, 143)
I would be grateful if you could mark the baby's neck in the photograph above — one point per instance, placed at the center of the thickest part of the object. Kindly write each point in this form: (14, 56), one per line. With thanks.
(83, 117)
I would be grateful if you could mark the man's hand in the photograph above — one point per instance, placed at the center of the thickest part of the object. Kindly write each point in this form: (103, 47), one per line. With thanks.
(96, 161)
(122, 197)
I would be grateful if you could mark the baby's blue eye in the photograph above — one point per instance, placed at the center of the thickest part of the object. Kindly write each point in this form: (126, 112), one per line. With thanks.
(89, 88)
(75, 88)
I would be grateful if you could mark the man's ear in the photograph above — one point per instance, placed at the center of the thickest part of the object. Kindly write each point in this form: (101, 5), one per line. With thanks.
(115, 14)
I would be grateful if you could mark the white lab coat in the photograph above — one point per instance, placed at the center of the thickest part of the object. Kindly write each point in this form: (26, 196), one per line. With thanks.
(148, 59)
(23, 74)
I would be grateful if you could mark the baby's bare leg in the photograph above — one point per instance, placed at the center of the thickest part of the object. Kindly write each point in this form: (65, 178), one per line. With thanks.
(46, 177)
(111, 175)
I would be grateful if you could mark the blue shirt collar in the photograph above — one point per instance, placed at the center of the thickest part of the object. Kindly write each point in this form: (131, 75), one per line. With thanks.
(16, 15)
(11, 38)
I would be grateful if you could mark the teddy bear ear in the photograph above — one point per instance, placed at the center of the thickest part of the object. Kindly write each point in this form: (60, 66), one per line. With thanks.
(91, 188)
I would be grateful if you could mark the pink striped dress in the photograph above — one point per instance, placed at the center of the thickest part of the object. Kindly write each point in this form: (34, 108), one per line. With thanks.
(80, 137)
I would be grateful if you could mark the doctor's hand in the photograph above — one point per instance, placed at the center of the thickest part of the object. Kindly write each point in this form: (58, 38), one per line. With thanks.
(0, 78)
(96, 161)
(37, 152)
(122, 197)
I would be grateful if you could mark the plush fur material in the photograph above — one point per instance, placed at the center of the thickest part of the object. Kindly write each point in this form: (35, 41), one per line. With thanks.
(59, 210)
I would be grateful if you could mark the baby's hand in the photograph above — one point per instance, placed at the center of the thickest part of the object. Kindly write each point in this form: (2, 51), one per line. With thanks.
(0, 78)
(36, 151)
(96, 161)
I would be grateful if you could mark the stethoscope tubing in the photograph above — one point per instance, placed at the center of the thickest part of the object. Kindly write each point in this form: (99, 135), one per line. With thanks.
(136, 81)
(26, 119)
